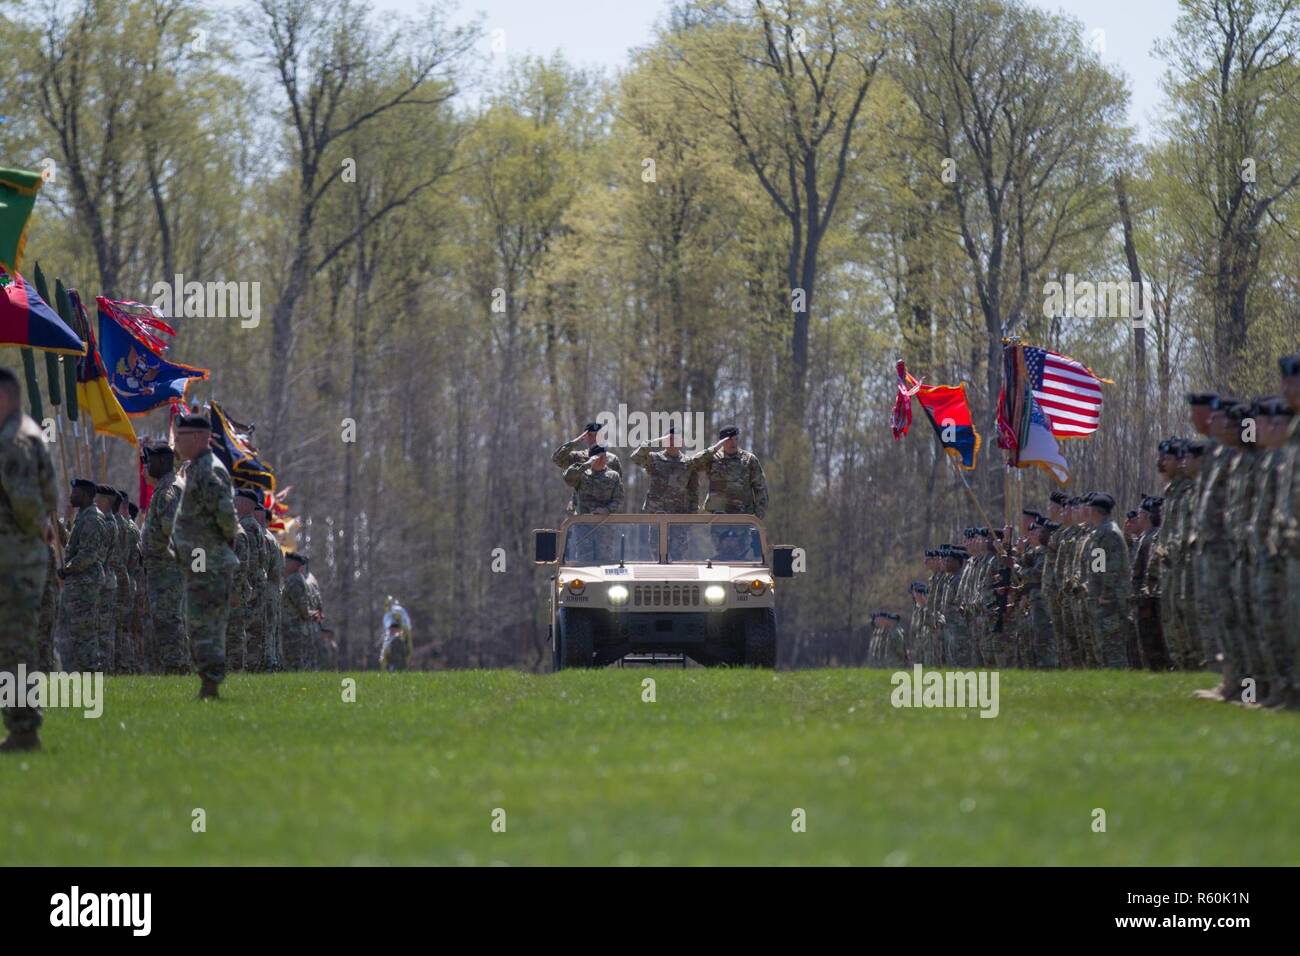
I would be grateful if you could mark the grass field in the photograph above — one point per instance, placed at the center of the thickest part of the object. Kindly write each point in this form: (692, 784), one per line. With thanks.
(587, 773)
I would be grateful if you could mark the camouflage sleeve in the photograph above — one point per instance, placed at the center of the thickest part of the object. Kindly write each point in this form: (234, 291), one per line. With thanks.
(701, 462)
(1286, 508)
(295, 598)
(563, 455)
(616, 503)
(692, 492)
(641, 457)
(613, 464)
(21, 478)
(1114, 581)
(573, 474)
(758, 484)
(223, 505)
(81, 551)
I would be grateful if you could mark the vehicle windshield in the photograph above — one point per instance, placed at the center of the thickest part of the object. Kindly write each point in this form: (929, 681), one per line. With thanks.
(609, 541)
(728, 543)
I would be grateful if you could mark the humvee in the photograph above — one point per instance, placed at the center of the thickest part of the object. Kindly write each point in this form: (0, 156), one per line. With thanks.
(695, 585)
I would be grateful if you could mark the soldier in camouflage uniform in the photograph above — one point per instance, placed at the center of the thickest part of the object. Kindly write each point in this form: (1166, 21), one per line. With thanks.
(1067, 637)
(1040, 646)
(240, 594)
(296, 618)
(1242, 473)
(85, 566)
(1285, 531)
(890, 647)
(106, 502)
(919, 592)
(673, 486)
(925, 646)
(203, 533)
(579, 451)
(598, 488)
(1168, 547)
(1152, 648)
(319, 652)
(128, 557)
(46, 656)
(950, 619)
(1050, 585)
(139, 592)
(1107, 583)
(962, 624)
(1268, 582)
(168, 644)
(274, 586)
(27, 499)
(1209, 541)
(247, 504)
(736, 481)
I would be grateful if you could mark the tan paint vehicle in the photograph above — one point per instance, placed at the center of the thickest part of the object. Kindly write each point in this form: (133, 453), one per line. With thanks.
(697, 585)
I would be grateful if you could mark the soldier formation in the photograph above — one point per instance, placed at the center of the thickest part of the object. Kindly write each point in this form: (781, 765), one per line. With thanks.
(733, 476)
(1204, 575)
(200, 586)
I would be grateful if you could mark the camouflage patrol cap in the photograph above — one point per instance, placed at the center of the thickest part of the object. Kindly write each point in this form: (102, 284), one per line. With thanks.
(1289, 365)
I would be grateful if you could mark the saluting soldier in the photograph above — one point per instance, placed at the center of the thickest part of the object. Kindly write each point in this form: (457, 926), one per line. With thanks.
(598, 489)
(579, 450)
(169, 645)
(203, 534)
(735, 476)
(673, 485)
(27, 499)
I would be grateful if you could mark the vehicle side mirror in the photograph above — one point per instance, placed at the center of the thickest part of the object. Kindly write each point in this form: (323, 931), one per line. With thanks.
(783, 561)
(546, 546)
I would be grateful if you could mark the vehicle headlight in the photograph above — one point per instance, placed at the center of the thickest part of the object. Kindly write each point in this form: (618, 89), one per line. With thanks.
(714, 594)
(617, 594)
(577, 586)
(745, 586)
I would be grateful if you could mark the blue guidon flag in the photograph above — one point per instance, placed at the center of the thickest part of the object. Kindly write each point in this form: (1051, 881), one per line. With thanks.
(131, 344)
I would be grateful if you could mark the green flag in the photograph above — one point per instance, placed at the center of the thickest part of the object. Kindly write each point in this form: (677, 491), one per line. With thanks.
(18, 190)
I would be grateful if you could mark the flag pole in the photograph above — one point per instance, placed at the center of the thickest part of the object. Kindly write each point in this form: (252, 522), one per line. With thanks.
(969, 491)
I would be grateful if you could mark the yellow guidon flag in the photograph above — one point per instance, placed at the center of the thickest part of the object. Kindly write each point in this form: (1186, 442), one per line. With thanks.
(94, 394)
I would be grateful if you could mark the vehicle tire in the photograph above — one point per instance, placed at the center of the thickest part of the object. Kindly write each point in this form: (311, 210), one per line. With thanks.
(760, 637)
(576, 646)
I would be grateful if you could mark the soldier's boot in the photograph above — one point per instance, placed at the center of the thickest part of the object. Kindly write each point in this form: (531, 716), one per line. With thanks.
(208, 690)
(20, 740)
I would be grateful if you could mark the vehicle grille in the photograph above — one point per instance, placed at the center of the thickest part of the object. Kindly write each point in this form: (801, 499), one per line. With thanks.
(666, 595)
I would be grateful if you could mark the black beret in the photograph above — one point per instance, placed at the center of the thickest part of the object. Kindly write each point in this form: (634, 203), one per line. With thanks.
(1289, 365)
(893, 617)
(592, 427)
(1030, 514)
(1153, 504)
(1166, 447)
(1196, 448)
(193, 421)
(106, 491)
(945, 547)
(731, 431)
(1101, 500)
(248, 493)
(1059, 498)
(595, 450)
(1276, 408)
(84, 483)
(296, 556)
(968, 532)
(1237, 412)
(1219, 403)
(1201, 398)
(1051, 525)
(1132, 513)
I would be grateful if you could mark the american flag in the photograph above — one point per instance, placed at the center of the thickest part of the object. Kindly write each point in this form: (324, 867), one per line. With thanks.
(1068, 392)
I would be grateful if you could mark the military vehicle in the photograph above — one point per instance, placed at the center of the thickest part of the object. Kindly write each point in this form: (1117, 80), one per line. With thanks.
(693, 585)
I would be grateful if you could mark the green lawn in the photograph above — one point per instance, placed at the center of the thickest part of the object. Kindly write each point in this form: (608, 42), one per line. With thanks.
(710, 773)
